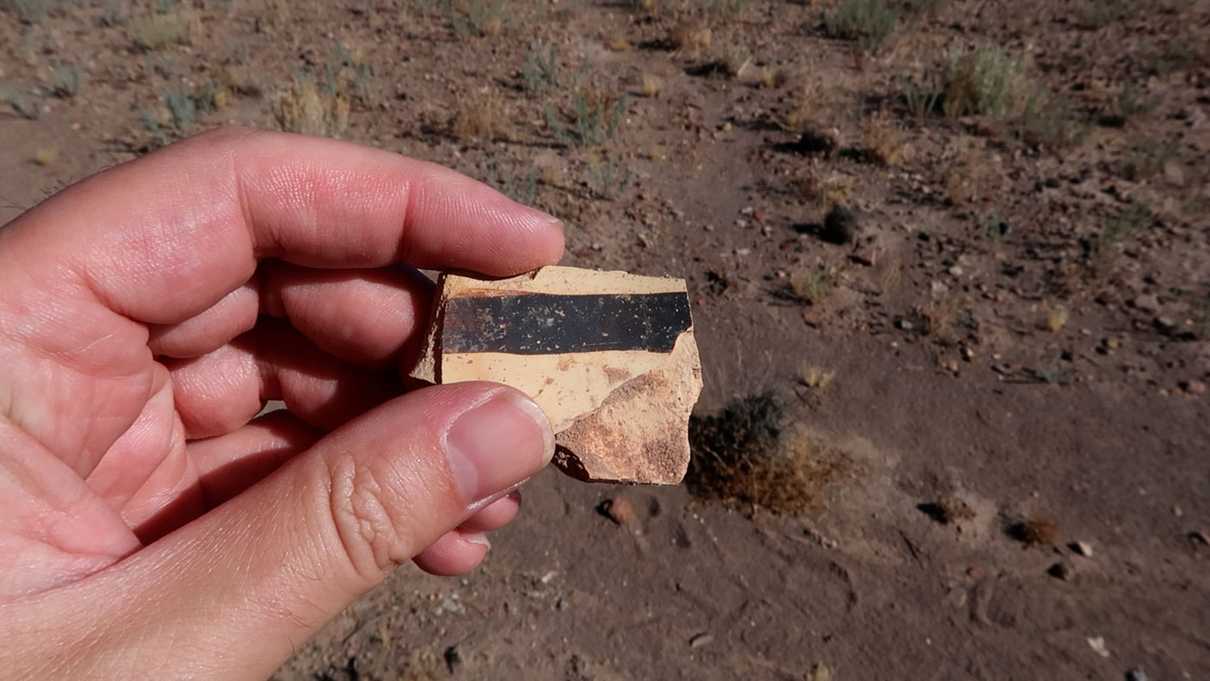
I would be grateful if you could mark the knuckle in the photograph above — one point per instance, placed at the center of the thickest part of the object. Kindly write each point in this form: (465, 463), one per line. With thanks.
(373, 527)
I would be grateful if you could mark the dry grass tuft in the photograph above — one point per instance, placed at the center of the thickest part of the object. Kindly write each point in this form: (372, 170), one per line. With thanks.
(1056, 318)
(1034, 531)
(985, 81)
(815, 377)
(651, 85)
(302, 108)
(691, 37)
(883, 142)
(484, 118)
(969, 173)
(157, 31)
(948, 509)
(811, 286)
(46, 156)
(746, 454)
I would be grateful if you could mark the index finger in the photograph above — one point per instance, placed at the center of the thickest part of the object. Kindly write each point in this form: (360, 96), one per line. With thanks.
(163, 237)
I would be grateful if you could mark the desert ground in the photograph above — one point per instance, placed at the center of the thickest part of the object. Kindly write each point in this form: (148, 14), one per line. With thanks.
(949, 263)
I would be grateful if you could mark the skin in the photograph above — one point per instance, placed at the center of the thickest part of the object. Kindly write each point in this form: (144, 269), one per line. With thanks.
(151, 524)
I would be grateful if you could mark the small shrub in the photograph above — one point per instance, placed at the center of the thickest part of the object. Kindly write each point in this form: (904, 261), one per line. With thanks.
(868, 22)
(1144, 160)
(1096, 14)
(1034, 531)
(1173, 55)
(811, 286)
(1130, 220)
(806, 110)
(950, 509)
(921, 99)
(1057, 317)
(814, 377)
(595, 118)
(482, 118)
(540, 72)
(157, 31)
(882, 141)
(1130, 102)
(65, 81)
(45, 156)
(724, 9)
(183, 108)
(22, 104)
(969, 174)
(302, 108)
(691, 37)
(747, 454)
(986, 81)
(477, 17)
(651, 85)
(1049, 120)
(608, 178)
(29, 11)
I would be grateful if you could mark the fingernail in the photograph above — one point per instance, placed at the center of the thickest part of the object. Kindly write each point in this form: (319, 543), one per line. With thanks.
(477, 538)
(510, 491)
(497, 444)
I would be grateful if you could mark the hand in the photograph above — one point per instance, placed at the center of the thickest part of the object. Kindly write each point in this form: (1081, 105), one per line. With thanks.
(150, 524)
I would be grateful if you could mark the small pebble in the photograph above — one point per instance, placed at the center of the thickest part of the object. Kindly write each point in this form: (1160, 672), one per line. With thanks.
(1136, 675)
(701, 640)
(1082, 549)
(620, 510)
(1060, 570)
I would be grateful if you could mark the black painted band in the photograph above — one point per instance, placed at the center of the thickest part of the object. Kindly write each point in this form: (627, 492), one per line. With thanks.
(550, 324)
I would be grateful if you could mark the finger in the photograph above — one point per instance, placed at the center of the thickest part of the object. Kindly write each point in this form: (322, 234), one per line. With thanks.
(495, 515)
(223, 390)
(209, 207)
(210, 329)
(366, 317)
(196, 477)
(455, 553)
(231, 463)
(250, 580)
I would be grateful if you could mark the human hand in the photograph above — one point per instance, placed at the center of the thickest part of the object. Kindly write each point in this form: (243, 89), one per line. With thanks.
(149, 523)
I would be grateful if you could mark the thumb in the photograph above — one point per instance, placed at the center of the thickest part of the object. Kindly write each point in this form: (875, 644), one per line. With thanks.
(249, 581)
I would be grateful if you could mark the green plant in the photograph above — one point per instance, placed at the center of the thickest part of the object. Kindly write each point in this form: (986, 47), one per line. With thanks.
(476, 17)
(1118, 228)
(157, 31)
(304, 108)
(811, 286)
(113, 13)
(1144, 160)
(1049, 120)
(986, 81)
(608, 178)
(22, 104)
(921, 99)
(1095, 14)
(1172, 56)
(724, 8)
(1130, 102)
(749, 453)
(594, 119)
(183, 107)
(868, 22)
(29, 11)
(65, 81)
(540, 72)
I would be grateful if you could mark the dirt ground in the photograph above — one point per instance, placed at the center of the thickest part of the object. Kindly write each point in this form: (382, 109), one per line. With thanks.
(999, 343)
